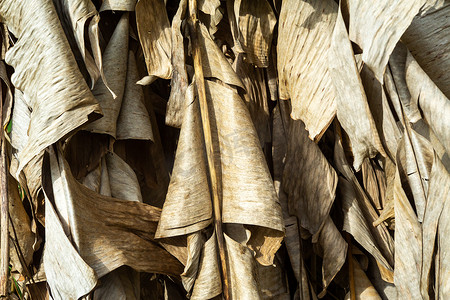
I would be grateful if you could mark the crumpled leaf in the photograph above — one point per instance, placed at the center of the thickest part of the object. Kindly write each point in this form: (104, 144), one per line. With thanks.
(79, 13)
(380, 233)
(352, 108)
(58, 96)
(304, 38)
(155, 37)
(384, 119)
(433, 104)
(408, 246)
(188, 189)
(256, 22)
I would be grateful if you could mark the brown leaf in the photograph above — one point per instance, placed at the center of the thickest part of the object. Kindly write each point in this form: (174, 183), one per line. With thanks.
(155, 36)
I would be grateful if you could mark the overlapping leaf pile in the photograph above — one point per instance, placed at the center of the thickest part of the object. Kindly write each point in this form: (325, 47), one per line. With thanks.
(285, 149)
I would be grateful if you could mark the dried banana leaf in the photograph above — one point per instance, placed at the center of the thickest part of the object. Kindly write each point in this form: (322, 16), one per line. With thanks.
(58, 95)
(308, 179)
(255, 96)
(304, 38)
(363, 287)
(155, 37)
(376, 26)
(256, 22)
(352, 107)
(131, 223)
(115, 67)
(408, 245)
(214, 62)
(428, 40)
(133, 121)
(120, 5)
(179, 82)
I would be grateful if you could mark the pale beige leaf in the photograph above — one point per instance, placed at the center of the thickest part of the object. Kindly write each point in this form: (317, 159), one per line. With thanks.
(304, 38)
(256, 22)
(408, 245)
(243, 273)
(376, 26)
(363, 287)
(380, 233)
(414, 163)
(78, 13)
(208, 6)
(428, 40)
(59, 97)
(120, 5)
(356, 224)
(155, 36)
(433, 104)
(352, 107)
(214, 62)
(443, 267)
(208, 283)
(435, 215)
(68, 278)
(379, 107)
(247, 186)
(188, 189)
(122, 179)
(195, 242)
(133, 121)
(308, 179)
(115, 68)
